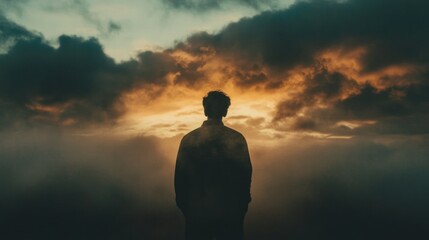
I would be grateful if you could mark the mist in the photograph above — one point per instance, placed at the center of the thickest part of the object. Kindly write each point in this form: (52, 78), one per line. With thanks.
(59, 184)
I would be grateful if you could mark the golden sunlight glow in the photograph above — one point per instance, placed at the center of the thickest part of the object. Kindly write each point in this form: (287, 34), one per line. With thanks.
(179, 110)
(348, 63)
(355, 124)
(176, 108)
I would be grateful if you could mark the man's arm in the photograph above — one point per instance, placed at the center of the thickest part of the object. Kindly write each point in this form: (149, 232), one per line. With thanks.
(180, 178)
(247, 168)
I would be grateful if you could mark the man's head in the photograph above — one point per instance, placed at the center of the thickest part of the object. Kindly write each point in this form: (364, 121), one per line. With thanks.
(216, 104)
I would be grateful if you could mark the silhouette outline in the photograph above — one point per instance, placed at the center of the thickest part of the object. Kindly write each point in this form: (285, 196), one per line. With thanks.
(213, 176)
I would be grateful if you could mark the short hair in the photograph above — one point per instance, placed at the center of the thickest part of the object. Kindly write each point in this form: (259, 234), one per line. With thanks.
(216, 104)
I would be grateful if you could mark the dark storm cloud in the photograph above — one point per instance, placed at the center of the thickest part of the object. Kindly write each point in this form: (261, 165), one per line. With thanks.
(206, 5)
(75, 83)
(190, 74)
(401, 110)
(390, 102)
(87, 85)
(394, 33)
(11, 32)
(77, 72)
(320, 86)
(393, 110)
(248, 76)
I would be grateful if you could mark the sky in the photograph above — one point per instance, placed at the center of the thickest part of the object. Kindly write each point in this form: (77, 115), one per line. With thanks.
(332, 97)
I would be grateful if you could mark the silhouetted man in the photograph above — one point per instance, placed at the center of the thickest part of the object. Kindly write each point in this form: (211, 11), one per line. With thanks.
(213, 175)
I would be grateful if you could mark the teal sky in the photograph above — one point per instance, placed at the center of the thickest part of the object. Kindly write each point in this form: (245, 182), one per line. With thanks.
(134, 25)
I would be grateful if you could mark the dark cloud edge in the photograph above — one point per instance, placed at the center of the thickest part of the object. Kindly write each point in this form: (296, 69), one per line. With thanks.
(203, 6)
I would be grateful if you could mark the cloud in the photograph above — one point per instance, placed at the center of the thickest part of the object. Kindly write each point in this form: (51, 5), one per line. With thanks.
(69, 79)
(283, 40)
(14, 5)
(292, 37)
(393, 110)
(357, 61)
(206, 5)
(113, 27)
(329, 99)
(83, 9)
(336, 71)
(319, 87)
(11, 32)
(73, 84)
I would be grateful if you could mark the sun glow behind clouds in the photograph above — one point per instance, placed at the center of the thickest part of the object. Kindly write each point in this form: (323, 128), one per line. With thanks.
(159, 93)
(176, 114)
(176, 108)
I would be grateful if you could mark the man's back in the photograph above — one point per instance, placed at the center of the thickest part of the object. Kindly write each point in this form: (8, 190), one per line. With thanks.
(213, 172)
(213, 175)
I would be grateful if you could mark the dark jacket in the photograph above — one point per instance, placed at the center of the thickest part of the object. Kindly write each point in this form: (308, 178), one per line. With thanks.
(213, 172)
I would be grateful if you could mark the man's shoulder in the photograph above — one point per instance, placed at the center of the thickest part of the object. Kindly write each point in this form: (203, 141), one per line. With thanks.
(190, 136)
(200, 133)
(191, 133)
(233, 133)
